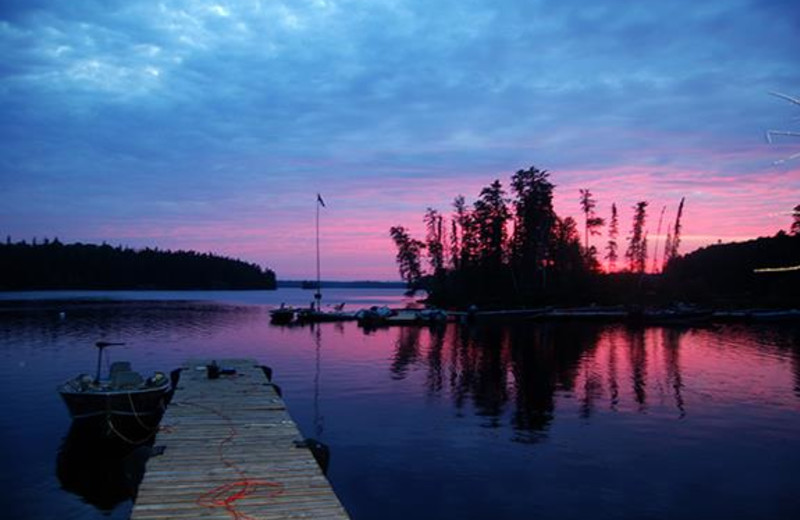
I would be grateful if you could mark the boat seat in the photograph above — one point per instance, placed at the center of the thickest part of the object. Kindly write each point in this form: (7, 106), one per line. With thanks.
(120, 366)
(123, 379)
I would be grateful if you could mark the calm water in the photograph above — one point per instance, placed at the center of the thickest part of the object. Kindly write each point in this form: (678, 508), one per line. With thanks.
(492, 421)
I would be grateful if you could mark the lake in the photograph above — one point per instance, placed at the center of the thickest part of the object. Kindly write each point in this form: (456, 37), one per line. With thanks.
(495, 420)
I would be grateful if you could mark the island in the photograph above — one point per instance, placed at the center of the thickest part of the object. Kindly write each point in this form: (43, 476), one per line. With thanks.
(52, 265)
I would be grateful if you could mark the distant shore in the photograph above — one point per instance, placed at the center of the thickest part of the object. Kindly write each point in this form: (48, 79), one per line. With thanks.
(331, 284)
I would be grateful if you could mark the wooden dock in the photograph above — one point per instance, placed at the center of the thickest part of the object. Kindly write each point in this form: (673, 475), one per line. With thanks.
(230, 452)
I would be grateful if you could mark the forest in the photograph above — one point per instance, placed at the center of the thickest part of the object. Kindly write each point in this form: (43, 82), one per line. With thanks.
(516, 252)
(50, 264)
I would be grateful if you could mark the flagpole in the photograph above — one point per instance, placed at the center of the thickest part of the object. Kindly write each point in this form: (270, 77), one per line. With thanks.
(318, 295)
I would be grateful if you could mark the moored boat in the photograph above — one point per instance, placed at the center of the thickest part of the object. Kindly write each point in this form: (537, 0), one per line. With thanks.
(282, 315)
(317, 316)
(674, 315)
(124, 397)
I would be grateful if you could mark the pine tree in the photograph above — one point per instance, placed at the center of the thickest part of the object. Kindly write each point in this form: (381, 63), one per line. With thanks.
(434, 240)
(490, 216)
(534, 219)
(612, 249)
(636, 253)
(675, 238)
(591, 221)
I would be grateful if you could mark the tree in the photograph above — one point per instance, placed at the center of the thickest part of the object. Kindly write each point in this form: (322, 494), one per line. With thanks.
(612, 249)
(534, 219)
(466, 251)
(674, 239)
(591, 222)
(456, 224)
(795, 229)
(408, 255)
(636, 253)
(53, 265)
(455, 246)
(567, 257)
(490, 216)
(434, 240)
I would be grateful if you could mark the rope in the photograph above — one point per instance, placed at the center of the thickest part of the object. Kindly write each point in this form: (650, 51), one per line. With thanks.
(123, 437)
(226, 495)
(136, 414)
(151, 430)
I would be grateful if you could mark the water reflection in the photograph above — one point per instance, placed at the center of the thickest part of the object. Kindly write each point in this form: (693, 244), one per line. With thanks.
(671, 341)
(406, 350)
(518, 374)
(637, 357)
(546, 360)
(452, 420)
(102, 473)
(94, 319)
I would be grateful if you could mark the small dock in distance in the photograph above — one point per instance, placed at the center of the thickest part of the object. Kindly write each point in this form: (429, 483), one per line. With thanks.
(231, 451)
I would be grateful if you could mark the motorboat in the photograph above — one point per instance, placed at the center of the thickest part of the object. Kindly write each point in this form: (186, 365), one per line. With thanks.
(283, 315)
(314, 315)
(125, 396)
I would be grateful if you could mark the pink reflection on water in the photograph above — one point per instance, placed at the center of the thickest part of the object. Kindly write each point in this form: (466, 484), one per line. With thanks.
(678, 372)
(533, 372)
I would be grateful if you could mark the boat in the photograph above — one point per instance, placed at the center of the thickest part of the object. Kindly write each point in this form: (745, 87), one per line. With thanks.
(374, 317)
(312, 315)
(282, 315)
(124, 397)
(678, 314)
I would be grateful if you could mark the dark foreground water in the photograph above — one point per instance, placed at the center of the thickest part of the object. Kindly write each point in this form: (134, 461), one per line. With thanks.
(500, 420)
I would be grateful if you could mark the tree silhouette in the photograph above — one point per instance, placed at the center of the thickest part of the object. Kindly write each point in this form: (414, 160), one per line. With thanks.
(468, 246)
(490, 215)
(53, 265)
(591, 223)
(542, 260)
(534, 218)
(675, 240)
(636, 254)
(612, 249)
(408, 255)
(434, 240)
(795, 229)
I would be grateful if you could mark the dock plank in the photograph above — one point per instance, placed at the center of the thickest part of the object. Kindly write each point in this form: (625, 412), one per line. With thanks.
(229, 452)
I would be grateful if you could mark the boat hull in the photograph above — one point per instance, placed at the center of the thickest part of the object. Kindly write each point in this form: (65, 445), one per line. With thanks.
(281, 316)
(138, 403)
(309, 316)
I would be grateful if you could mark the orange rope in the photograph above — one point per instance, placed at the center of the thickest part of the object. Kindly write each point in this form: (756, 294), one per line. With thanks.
(226, 495)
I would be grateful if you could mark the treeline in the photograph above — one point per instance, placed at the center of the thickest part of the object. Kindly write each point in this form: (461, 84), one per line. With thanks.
(515, 251)
(52, 265)
(760, 272)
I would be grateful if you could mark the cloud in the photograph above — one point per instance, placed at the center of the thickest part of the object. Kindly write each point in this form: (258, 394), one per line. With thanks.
(195, 118)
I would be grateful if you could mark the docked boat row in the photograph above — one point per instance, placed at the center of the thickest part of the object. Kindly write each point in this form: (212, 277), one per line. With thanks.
(375, 316)
(371, 316)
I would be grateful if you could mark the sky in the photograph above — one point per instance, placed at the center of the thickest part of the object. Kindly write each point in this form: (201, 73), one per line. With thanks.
(212, 125)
